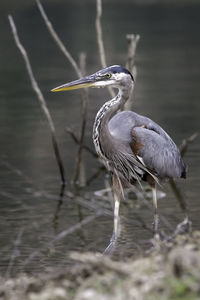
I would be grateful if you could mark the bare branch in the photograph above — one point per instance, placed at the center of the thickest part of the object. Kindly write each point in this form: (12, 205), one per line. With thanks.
(39, 96)
(84, 95)
(179, 196)
(100, 40)
(58, 40)
(177, 192)
(76, 140)
(132, 44)
(100, 34)
(100, 169)
(185, 143)
(79, 160)
(130, 64)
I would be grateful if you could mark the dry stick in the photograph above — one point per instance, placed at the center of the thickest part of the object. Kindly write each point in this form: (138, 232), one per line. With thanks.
(100, 34)
(100, 169)
(130, 64)
(96, 174)
(132, 44)
(83, 92)
(183, 148)
(179, 196)
(79, 169)
(57, 39)
(79, 173)
(39, 96)
(100, 40)
(77, 141)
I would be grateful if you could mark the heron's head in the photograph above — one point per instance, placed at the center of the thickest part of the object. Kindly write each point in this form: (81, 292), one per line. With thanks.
(115, 76)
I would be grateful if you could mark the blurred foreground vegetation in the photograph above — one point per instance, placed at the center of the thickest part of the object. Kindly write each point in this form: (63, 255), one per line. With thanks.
(169, 270)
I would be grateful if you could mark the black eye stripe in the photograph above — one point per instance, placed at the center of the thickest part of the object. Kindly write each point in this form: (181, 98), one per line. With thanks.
(117, 69)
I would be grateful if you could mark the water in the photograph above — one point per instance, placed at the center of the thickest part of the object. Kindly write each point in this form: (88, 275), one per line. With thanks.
(167, 90)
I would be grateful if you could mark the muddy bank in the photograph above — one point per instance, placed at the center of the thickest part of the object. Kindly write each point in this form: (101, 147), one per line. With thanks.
(169, 270)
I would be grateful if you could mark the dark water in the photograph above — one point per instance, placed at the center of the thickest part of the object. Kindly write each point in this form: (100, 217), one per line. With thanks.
(167, 91)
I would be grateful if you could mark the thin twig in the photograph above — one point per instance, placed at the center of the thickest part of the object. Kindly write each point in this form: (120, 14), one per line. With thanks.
(132, 45)
(100, 40)
(79, 159)
(57, 39)
(185, 143)
(58, 207)
(184, 227)
(100, 169)
(100, 34)
(84, 95)
(130, 64)
(76, 140)
(40, 97)
(177, 192)
(179, 196)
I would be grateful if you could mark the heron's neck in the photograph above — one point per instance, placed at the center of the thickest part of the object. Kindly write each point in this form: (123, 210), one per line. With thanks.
(106, 112)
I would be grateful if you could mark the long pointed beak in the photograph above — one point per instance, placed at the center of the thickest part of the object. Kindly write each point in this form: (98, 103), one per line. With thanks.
(88, 81)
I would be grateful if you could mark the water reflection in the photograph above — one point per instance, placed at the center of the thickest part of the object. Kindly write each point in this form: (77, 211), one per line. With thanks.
(167, 90)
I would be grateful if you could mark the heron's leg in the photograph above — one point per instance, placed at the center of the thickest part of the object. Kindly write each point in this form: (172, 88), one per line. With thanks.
(116, 224)
(155, 206)
(117, 193)
(152, 183)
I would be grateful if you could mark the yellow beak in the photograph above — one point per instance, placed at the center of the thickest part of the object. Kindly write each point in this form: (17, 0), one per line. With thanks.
(85, 82)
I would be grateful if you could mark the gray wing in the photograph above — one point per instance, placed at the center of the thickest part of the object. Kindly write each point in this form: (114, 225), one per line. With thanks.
(148, 141)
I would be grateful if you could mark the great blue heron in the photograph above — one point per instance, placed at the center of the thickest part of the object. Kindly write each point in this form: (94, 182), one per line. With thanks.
(133, 147)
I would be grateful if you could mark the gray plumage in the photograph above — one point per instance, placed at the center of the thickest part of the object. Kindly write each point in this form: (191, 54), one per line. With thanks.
(158, 152)
(133, 147)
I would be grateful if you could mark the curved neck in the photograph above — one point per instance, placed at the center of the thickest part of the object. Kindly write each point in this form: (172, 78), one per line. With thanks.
(106, 112)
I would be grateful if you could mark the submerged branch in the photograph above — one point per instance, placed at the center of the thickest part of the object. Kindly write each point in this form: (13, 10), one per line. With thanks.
(60, 236)
(40, 97)
(15, 253)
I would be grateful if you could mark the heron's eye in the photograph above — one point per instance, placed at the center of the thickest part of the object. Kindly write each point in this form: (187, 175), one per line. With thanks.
(108, 75)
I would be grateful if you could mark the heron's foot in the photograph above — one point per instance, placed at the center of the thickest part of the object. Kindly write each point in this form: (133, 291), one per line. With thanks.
(183, 227)
(111, 245)
(156, 241)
